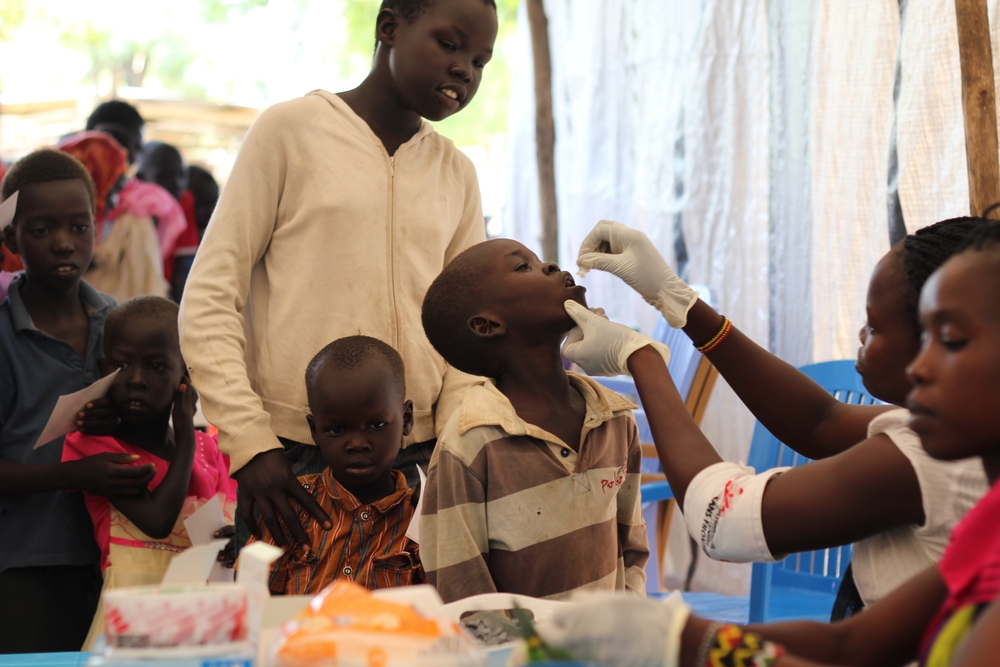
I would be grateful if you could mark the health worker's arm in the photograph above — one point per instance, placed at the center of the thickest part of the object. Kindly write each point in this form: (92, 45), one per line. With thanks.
(866, 490)
(795, 409)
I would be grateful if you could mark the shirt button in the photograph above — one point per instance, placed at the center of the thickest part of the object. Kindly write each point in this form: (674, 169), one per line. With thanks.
(364, 516)
(565, 452)
(348, 571)
(305, 485)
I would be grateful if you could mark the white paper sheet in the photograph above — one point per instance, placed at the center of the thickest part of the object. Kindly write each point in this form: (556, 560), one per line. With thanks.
(413, 531)
(193, 565)
(63, 417)
(7, 210)
(201, 527)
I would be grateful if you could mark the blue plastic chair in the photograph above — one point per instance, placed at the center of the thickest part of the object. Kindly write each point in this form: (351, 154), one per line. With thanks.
(803, 585)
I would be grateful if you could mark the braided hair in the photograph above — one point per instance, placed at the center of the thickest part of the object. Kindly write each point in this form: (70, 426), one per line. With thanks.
(986, 237)
(929, 248)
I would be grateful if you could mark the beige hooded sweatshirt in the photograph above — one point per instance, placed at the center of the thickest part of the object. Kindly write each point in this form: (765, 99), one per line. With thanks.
(319, 235)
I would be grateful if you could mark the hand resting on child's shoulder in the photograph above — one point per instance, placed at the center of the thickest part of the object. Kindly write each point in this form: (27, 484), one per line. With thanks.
(268, 481)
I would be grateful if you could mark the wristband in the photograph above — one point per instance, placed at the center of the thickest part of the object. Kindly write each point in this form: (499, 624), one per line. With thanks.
(720, 336)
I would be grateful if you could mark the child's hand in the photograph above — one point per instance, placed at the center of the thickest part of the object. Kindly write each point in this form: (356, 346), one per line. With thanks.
(185, 405)
(98, 418)
(110, 475)
(228, 555)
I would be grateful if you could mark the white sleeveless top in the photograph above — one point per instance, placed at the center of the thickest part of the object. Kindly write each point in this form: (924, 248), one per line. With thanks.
(948, 489)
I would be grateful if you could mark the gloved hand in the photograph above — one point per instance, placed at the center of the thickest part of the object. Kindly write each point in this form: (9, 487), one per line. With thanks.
(630, 255)
(602, 347)
(619, 629)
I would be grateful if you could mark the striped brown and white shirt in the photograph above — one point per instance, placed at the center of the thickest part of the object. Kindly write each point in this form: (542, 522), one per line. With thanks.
(510, 508)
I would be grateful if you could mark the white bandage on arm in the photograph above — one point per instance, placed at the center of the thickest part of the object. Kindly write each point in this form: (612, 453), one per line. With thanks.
(722, 512)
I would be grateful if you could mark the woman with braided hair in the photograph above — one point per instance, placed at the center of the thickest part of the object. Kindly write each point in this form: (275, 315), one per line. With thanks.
(872, 484)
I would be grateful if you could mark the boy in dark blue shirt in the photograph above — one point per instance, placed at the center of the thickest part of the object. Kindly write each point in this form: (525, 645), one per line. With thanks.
(51, 329)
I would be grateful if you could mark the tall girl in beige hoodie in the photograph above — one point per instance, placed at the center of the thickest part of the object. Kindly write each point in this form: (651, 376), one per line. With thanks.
(340, 211)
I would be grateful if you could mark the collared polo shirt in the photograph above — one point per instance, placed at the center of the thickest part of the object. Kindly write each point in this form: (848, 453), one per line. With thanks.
(51, 528)
(511, 508)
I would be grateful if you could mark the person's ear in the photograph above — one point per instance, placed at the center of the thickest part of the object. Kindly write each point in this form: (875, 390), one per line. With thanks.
(484, 326)
(312, 426)
(407, 418)
(10, 238)
(385, 27)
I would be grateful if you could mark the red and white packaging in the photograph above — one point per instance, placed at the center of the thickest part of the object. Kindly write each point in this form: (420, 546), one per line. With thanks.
(213, 615)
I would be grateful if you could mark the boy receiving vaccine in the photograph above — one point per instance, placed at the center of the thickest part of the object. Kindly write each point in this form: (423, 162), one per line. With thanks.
(152, 395)
(534, 485)
(51, 339)
(358, 418)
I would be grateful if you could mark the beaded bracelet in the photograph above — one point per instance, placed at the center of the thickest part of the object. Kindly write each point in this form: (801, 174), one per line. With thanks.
(731, 646)
(724, 330)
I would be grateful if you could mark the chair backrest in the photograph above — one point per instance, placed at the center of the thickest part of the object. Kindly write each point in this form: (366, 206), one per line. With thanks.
(812, 576)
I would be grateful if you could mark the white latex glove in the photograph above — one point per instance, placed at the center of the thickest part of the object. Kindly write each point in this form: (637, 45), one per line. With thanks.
(602, 347)
(630, 255)
(619, 629)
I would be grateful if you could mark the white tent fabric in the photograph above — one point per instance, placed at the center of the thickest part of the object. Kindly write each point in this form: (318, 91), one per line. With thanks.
(854, 64)
(725, 216)
(757, 137)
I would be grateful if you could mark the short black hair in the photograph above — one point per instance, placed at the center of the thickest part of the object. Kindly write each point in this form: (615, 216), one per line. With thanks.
(200, 176)
(43, 166)
(119, 134)
(117, 112)
(141, 308)
(351, 352)
(452, 299)
(410, 10)
(926, 250)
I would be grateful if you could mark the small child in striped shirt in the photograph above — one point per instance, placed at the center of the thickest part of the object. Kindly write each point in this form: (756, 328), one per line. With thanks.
(359, 417)
(533, 487)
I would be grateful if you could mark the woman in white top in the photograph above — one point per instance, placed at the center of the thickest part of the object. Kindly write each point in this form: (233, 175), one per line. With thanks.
(872, 484)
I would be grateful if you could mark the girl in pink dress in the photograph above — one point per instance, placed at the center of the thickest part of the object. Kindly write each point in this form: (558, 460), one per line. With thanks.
(138, 536)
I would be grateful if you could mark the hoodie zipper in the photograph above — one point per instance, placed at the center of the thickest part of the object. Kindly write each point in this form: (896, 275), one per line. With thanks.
(392, 248)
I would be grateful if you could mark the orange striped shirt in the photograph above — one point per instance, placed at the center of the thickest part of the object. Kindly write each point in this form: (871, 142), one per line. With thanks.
(367, 544)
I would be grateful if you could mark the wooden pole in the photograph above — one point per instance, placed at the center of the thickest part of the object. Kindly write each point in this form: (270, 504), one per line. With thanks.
(545, 129)
(979, 106)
